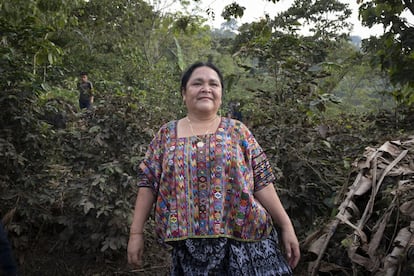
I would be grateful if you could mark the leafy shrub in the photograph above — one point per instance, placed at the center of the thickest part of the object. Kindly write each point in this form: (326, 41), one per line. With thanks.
(73, 185)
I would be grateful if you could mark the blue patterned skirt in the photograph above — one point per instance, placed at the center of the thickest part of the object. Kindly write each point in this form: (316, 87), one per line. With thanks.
(223, 256)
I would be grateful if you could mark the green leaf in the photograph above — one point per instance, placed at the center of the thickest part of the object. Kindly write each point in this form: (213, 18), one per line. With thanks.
(50, 58)
(87, 207)
(180, 57)
(95, 129)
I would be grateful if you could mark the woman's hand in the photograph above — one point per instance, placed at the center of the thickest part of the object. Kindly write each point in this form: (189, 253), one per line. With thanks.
(143, 204)
(291, 244)
(135, 250)
(270, 200)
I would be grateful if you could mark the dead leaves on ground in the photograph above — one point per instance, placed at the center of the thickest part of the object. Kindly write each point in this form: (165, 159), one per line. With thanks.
(373, 229)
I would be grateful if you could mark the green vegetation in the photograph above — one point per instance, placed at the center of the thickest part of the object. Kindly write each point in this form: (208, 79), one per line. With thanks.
(67, 176)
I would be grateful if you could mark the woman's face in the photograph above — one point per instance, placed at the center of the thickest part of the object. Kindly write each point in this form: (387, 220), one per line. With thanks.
(203, 91)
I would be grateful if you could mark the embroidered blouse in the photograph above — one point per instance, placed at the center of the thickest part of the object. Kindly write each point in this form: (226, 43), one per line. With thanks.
(204, 185)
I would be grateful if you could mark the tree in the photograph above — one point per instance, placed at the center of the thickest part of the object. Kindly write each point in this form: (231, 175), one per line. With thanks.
(29, 30)
(360, 88)
(275, 49)
(393, 50)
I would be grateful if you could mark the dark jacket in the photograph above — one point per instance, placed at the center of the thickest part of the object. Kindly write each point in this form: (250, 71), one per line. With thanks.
(7, 262)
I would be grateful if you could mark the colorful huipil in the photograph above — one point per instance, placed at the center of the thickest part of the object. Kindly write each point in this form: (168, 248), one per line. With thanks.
(204, 185)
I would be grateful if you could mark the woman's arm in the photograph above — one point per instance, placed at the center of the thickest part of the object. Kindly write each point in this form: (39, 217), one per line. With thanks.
(143, 206)
(271, 202)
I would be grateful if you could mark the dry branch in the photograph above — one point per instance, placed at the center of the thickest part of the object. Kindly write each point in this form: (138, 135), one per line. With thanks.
(375, 217)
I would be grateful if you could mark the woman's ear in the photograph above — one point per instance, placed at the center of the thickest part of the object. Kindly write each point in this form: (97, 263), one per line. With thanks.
(183, 95)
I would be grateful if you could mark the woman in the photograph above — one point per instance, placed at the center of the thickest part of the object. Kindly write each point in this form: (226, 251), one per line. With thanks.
(213, 189)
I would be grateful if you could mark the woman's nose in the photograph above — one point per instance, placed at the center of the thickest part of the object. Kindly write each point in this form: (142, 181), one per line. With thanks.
(206, 88)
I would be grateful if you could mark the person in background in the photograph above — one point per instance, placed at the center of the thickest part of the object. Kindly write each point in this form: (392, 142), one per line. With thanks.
(214, 194)
(7, 264)
(234, 111)
(85, 88)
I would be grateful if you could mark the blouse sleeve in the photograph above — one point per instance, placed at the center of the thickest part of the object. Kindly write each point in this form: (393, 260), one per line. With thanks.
(150, 168)
(254, 154)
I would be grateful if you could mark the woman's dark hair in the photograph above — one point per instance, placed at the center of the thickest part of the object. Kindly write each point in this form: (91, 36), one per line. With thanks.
(187, 74)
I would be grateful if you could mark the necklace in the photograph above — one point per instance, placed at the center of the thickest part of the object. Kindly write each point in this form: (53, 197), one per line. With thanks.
(200, 144)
